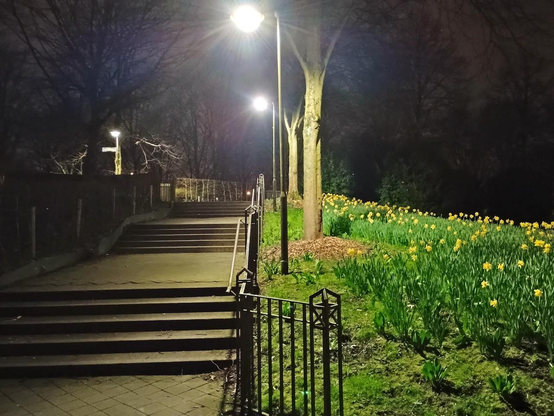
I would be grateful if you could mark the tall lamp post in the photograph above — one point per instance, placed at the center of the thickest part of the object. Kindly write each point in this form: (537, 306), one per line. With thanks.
(261, 104)
(115, 134)
(249, 20)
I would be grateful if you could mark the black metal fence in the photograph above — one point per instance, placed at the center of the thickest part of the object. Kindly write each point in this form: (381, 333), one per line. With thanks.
(289, 352)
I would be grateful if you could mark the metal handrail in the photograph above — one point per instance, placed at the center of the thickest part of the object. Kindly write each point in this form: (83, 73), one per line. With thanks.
(230, 286)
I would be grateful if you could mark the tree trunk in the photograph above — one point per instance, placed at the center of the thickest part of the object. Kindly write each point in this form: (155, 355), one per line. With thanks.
(313, 226)
(293, 166)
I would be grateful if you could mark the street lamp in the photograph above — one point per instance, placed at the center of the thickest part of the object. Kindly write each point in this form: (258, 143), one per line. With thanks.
(115, 134)
(261, 104)
(248, 20)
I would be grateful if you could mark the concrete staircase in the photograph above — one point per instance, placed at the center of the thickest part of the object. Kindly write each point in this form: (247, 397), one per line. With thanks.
(209, 209)
(179, 238)
(186, 236)
(148, 330)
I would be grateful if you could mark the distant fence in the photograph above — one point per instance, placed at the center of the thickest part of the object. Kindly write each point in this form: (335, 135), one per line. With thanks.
(190, 189)
(45, 214)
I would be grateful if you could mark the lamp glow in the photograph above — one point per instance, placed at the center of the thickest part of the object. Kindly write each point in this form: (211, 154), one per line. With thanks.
(261, 104)
(115, 133)
(247, 18)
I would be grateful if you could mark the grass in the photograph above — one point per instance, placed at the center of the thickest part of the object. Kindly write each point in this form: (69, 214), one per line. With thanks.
(382, 373)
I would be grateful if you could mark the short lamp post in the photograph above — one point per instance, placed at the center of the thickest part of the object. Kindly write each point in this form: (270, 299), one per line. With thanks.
(249, 20)
(260, 104)
(115, 134)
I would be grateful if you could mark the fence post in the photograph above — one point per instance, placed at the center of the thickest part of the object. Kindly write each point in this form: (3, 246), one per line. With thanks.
(134, 200)
(79, 216)
(114, 196)
(326, 316)
(33, 233)
(151, 197)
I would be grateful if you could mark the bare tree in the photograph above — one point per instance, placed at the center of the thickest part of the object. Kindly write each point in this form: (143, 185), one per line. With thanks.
(97, 55)
(14, 95)
(313, 41)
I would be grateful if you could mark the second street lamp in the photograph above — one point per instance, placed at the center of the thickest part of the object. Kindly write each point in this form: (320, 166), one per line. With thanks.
(115, 134)
(261, 104)
(248, 20)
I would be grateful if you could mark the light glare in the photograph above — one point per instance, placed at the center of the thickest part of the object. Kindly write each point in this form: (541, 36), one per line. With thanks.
(261, 104)
(247, 19)
(115, 133)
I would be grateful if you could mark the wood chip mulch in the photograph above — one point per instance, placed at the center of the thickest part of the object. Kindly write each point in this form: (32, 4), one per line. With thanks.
(324, 249)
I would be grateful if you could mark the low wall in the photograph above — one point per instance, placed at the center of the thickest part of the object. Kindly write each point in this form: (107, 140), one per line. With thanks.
(51, 264)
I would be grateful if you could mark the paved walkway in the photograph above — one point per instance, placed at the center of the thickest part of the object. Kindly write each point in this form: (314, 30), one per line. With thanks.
(202, 395)
(197, 395)
(143, 269)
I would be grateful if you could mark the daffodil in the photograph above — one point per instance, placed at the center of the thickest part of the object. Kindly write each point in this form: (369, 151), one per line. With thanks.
(524, 246)
(494, 303)
(501, 267)
(487, 266)
(428, 248)
(485, 284)
(538, 293)
(520, 264)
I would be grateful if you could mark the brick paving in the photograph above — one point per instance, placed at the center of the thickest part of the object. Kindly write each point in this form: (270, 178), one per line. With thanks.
(191, 395)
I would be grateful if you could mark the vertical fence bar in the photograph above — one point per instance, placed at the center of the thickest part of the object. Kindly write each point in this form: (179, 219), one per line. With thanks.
(326, 356)
(16, 222)
(312, 358)
(134, 200)
(259, 353)
(339, 335)
(281, 361)
(33, 233)
(292, 359)
(151, 196)
(270, 357)
(79, 216)
(305, 358)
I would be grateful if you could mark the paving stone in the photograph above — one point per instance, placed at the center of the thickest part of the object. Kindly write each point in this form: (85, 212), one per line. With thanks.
(191, 394)
(116, 391)
(122, 410)
(164, 384)
(40, 406)
(139, 402)
(211, 388)
(203, 411)
(210, 401)
(52, 393)
(105, 386)
(105, 404)
(167, 412)
(152, 408)
(16, 412)
(186, 407)
(26, 399)
(54, 411)
(84, 411)
(95, 398)
(135, 385)
(178, 389)
(195, 382)
(147, 390)
(83, 392)
(62, 399)
(172, 401)
(69, 406)
(126, 397)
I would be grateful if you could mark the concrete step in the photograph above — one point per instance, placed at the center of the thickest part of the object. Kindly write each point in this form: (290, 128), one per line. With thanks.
(74, 293)
(164, 249)
(195, 227)
(204, 215)
(116, 323)
(181, 236)
(184, 362)
(175, 243)
(118, 306)
(117, 342)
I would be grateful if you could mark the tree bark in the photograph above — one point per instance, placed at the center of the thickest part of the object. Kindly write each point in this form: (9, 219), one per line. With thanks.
(313, 225)
(90, 164)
